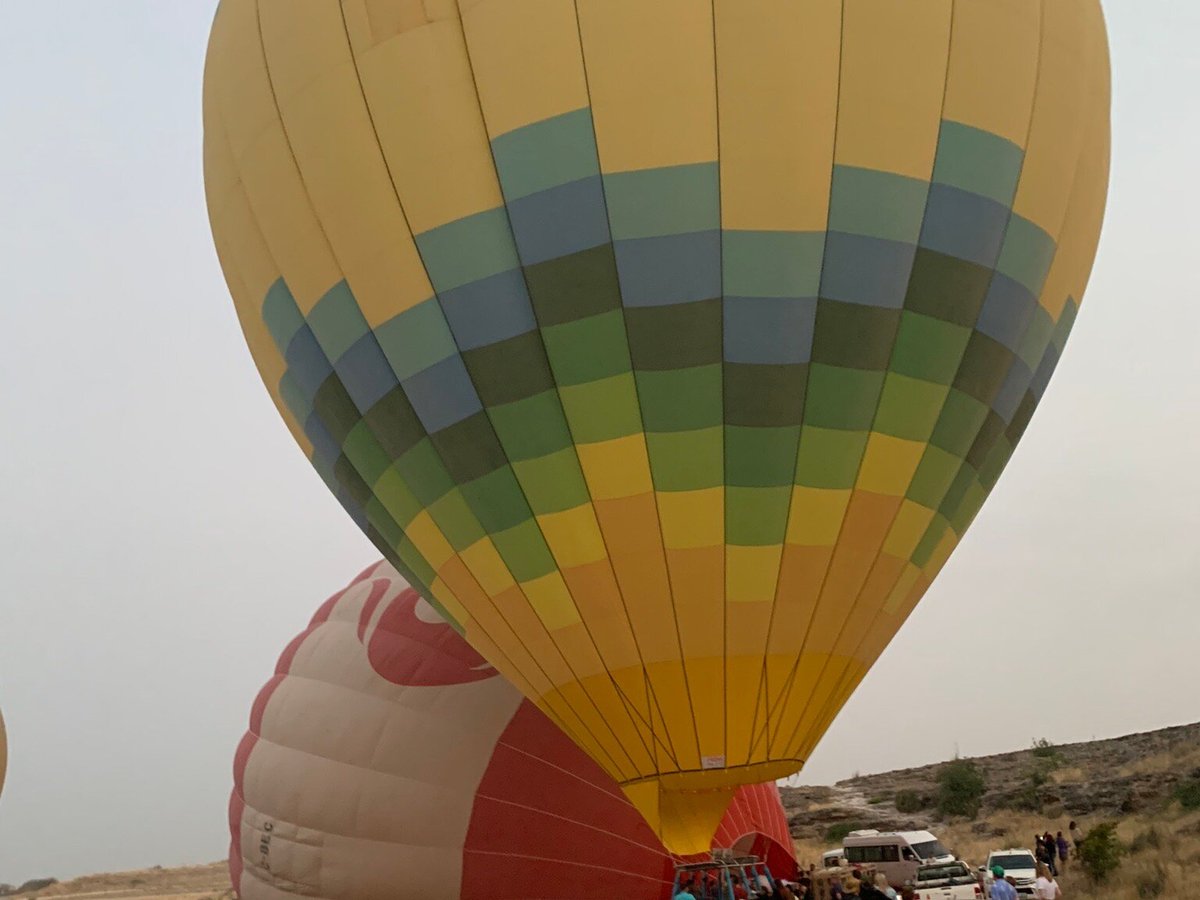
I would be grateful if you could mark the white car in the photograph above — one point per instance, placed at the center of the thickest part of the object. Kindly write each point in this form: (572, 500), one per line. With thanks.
(947, 881)
(1017, 864)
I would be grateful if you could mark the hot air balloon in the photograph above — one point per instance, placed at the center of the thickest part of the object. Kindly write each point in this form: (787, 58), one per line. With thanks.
(3, 753)
(386, 758)
(668, 347)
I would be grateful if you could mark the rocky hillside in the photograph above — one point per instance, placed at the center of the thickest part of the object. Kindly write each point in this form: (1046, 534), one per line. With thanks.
(1114, 779)
(210, 882)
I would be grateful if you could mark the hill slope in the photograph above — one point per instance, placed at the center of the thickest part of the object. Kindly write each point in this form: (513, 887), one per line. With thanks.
(1131, 780)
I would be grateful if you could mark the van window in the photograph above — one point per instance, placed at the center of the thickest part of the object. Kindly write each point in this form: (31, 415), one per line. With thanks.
(930, 849)
(874, 854)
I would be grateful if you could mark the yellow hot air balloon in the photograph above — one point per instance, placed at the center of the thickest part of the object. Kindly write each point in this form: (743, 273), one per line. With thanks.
(669, 346)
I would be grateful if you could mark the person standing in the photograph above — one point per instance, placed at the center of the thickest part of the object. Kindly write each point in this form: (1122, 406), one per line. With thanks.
(1076, 835)
(1046, 888)
(1051, 853)
(1001, 889)
(1064, 851)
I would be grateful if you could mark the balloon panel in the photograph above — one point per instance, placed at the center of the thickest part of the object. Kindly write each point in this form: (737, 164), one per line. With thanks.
(670, 348)
(386, 756)
(3, 753)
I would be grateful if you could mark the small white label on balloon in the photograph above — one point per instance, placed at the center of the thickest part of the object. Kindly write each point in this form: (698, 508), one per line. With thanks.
(712, 762)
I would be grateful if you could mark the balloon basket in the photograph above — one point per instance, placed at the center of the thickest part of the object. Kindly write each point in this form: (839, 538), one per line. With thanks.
(716, 877)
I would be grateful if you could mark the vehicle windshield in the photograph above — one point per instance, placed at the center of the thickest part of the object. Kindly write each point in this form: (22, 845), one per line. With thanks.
(1013, 861)
(957, 872)
(930, 849)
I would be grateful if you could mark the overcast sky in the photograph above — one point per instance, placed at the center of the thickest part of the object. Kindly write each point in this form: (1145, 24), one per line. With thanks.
(163, 538)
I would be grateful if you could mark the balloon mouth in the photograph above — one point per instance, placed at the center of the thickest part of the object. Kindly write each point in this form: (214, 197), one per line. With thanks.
(685, 809)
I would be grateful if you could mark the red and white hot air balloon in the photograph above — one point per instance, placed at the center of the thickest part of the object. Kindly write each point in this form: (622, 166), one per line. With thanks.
(386, 758)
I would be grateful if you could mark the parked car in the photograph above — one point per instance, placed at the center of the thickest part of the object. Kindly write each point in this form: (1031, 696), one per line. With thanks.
(897, 854)
(1017, 864)
(832, 858)
(947, 881)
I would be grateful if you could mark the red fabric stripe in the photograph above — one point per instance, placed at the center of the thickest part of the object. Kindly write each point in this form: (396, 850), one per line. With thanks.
(548, 823)
(259, 708)
(236, 807)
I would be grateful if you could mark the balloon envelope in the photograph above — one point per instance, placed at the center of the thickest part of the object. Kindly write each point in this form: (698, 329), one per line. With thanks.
(669, 347)
(3, 753)
(386, 758)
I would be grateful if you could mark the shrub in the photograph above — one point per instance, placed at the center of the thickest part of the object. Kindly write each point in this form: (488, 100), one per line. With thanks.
(875, 801)
(1188, 793)
(908, 801)
(960, 789)
(1152, 883)
(1100, 852)
(835, 833)
(1043, 749)
(1145, 840)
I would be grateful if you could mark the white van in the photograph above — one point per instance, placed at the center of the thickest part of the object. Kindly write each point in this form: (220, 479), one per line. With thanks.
(831, 859)
(897, 854)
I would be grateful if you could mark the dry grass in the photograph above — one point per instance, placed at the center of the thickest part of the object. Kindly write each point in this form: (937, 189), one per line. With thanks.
(1166, 872)
(1180, 758)
(209, 882)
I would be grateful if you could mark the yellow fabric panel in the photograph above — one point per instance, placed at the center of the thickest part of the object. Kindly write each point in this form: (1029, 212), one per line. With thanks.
(650, 73)
(289, 225)
(800, 575)
(334, 143)
(692, 518)
(745, 680)
(903, 585)
(993, 66)
(421, 93)
(369, 22)
(1056, 132)
(551, 600)
(907, 529)
(428, 539)
(889, 464)
(751, 573)
(263, 161)
(674, 703)
(617, 468)
(485, 563)
(868, 518)
(635, 546)
(685, 821)
(816, 515)
(602, 608)
(526, 58)
(248, 252)
(573, 536)
(619, 741)
(1077, 243)
(777, 91)
(790, 705)
(893, 73)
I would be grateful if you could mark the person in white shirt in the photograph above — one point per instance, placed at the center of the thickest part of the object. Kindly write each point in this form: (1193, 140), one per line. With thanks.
(1046, 888)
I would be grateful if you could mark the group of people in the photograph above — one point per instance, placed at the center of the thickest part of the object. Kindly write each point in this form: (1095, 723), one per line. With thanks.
(1055, 850)
(1045, 888)
(856, 886)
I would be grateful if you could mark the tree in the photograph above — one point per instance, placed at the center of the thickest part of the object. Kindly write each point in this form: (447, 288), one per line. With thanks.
(1100, 852)
(960, 788)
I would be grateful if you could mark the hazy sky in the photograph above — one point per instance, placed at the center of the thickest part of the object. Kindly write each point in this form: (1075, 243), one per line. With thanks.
(163, 538)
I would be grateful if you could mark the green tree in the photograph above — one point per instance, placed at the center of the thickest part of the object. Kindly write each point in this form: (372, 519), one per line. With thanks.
(1188, 793)
(909, 801)
(960, 789)
(1100, 852)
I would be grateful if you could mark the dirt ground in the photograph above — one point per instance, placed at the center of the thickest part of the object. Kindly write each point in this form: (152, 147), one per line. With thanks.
(210, 882)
